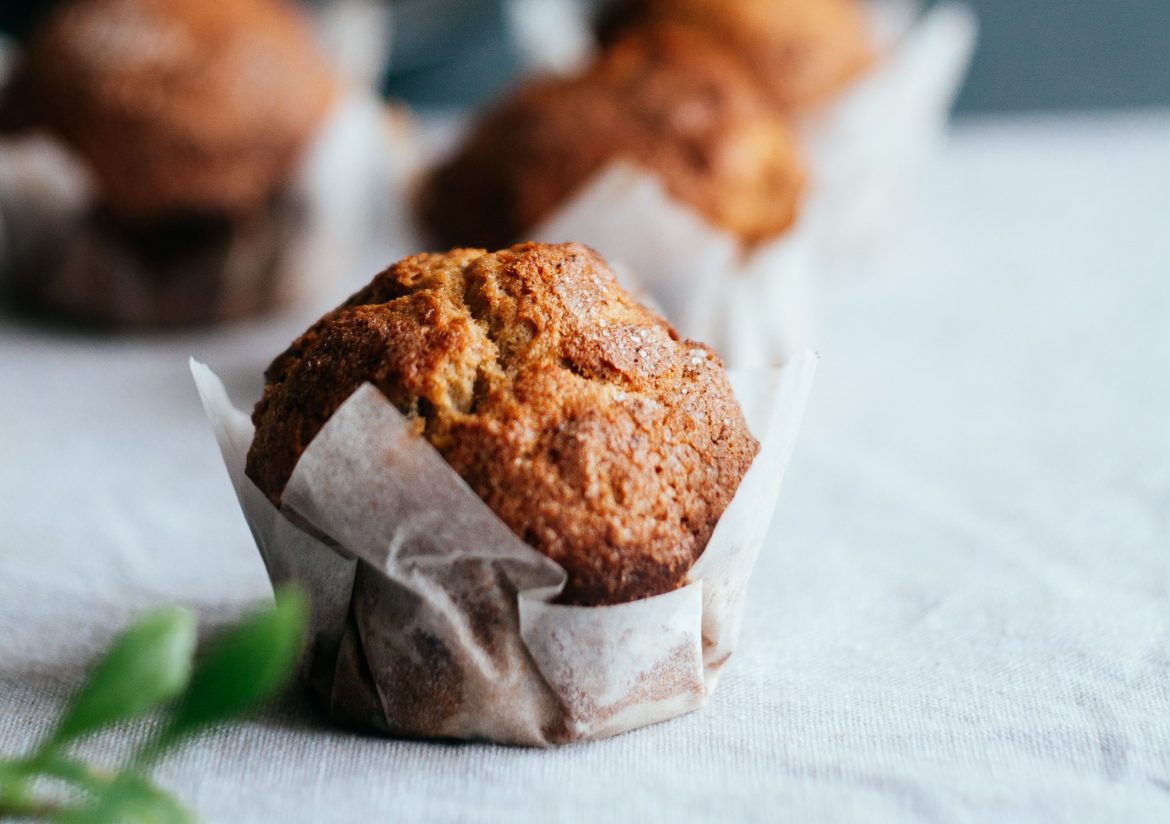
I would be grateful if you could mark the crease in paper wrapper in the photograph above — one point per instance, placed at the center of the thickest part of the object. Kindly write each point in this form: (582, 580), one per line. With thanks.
(432, 619)
(866, 149)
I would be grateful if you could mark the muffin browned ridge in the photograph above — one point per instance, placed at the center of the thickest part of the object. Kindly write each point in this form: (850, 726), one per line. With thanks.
(665, 98)
(197, 106)
(575, 413)
(801, 51)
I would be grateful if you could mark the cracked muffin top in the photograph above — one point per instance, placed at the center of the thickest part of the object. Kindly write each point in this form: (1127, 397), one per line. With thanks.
(175, 105)
(664, 98)
(578, 415)
(801, 51)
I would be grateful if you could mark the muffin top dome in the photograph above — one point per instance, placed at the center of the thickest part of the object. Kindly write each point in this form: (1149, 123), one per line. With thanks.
(176, 105)
(801, 51)
(575, 413)
(665, 98)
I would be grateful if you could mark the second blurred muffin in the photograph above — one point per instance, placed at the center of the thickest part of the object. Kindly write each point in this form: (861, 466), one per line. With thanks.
(665, 98)
(190, 117)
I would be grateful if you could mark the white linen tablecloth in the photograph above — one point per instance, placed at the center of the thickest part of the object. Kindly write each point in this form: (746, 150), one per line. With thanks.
(963, 613)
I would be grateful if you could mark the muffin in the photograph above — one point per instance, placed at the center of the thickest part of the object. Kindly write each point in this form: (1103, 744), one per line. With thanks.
(579, 417)
(190, 117)
(801, 51)
(665, 98)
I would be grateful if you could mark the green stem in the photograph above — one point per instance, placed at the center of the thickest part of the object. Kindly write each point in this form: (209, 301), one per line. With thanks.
(15, 780)
(29, 808)
(88, 778)
(16, 799)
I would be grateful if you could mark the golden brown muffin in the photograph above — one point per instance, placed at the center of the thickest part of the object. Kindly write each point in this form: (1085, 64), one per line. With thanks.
(802, 51)
(664, 98)
(190, 106)
(578, 415)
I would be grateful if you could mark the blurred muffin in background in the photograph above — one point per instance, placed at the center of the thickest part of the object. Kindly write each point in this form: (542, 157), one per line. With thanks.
(189, 117)
(801, 51)
(665, 98)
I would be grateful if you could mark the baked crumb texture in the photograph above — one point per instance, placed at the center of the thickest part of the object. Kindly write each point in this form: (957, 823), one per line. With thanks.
(575, 413)
(801, 51)
(177, 106)
(664, 97)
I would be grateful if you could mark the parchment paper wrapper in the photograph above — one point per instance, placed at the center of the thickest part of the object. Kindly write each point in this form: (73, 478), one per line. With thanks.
(869, 148)
(59, 254)
(756, 309)
(865, 149)
(430, 618)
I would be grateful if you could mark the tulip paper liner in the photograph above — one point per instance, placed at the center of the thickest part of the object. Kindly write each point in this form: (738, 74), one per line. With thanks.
(869, 147)
(866, 149)
(430, 618)
(755, 311)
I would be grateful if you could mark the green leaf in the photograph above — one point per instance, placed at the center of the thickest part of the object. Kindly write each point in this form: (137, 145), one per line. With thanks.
(148, 664)
(130, 800)
(248, 664)
(10, 773)
(14, 779)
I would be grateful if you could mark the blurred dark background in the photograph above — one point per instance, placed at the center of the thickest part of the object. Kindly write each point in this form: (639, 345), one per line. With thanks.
(1070, 54)
(1033, 54)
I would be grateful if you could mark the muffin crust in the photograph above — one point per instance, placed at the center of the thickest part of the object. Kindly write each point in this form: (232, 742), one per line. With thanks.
(665, 98)
(575, 413)
(189, 106)
(801, 51)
